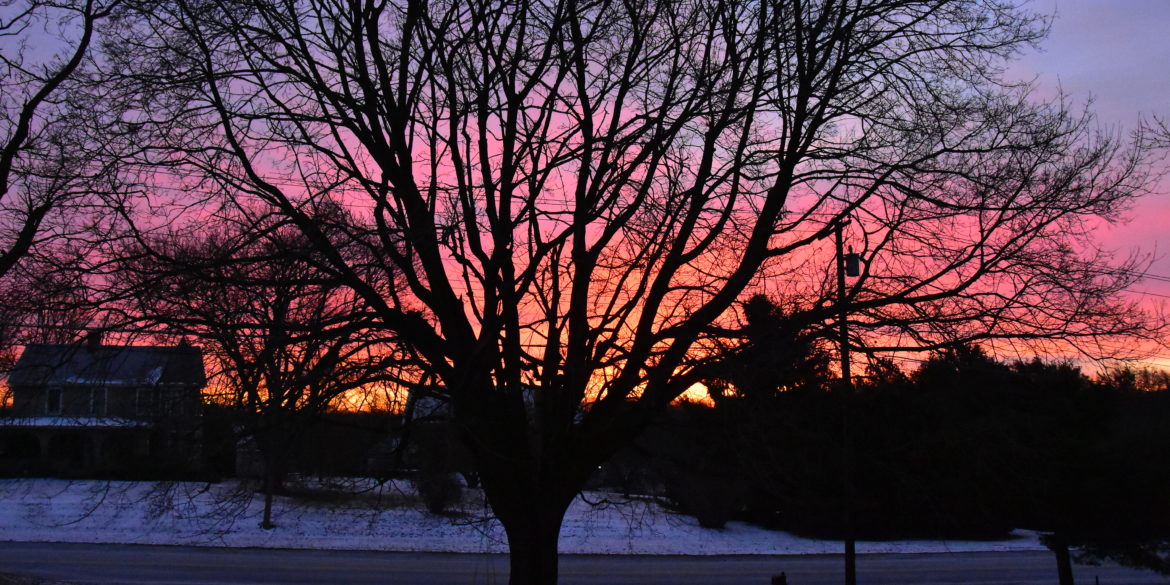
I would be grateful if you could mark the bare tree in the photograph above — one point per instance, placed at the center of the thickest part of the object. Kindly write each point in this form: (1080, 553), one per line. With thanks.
(42, 302)
(287, 341)
(1156, 131)
(43, 171)
(576, 191)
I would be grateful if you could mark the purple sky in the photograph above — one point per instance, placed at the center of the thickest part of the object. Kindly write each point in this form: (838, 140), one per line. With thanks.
(1118, 53)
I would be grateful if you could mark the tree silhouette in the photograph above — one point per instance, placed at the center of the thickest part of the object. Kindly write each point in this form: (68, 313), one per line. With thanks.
(1096, 487)
(777, 354)
(575, 191)
(772, 418)
(965, 446)
(45, 177)
(287, 340)
(39, 303)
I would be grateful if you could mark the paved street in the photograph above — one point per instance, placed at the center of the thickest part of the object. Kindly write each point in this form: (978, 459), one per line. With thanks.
(129, 564)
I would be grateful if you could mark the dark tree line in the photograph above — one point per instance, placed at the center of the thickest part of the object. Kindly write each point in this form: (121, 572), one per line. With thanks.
(962, 446)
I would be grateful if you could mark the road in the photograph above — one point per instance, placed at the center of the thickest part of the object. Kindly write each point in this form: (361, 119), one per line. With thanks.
(133, 564)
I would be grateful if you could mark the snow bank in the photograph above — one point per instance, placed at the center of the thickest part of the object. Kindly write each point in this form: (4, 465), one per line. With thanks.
(386, 517)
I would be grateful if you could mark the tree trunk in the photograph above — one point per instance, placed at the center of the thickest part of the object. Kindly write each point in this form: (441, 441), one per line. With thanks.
(273, 482)
(1063, 559)
(531, 507)
(532, 545)
(529, 485)
(269, 488)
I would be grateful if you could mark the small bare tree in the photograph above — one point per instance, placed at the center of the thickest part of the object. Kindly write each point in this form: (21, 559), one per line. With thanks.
(287, 341)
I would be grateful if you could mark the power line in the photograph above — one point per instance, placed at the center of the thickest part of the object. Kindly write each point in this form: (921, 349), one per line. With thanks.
(1149, 294)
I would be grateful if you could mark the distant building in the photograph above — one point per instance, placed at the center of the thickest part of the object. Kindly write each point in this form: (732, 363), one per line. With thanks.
(86, 408)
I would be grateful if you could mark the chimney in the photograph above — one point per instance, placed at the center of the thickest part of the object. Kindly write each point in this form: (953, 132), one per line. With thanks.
(93, 339)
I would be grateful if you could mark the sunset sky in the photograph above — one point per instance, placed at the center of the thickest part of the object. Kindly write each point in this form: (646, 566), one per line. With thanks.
(1116, 52)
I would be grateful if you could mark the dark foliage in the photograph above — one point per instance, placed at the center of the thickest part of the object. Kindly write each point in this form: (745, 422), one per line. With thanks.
(438, 455)
(964, 447)
(695, 469)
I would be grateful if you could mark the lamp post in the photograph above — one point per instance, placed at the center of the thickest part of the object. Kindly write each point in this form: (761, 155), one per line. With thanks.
(847, 265)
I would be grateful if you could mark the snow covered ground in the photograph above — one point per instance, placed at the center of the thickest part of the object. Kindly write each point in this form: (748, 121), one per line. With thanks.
(385, 517)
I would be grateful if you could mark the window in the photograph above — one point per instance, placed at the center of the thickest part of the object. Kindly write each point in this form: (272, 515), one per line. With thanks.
(166, 404)
(97, 401)
(144, 401)
(54, 400)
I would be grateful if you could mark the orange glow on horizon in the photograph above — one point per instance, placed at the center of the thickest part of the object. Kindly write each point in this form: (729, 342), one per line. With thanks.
(696, 394)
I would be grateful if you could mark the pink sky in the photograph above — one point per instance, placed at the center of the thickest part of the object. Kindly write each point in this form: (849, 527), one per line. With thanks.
(1116, 52)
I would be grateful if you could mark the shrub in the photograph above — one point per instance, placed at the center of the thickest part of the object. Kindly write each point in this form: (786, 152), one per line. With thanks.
(439, 490)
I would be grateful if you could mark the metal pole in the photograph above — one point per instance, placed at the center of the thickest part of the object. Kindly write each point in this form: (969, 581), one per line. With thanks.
(846, 392)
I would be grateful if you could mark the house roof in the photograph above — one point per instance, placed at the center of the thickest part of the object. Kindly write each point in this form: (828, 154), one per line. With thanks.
(107, 365)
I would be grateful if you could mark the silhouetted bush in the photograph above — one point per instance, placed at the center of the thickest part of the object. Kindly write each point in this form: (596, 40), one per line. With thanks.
(712, 501)
(439, 490)
(436, 454)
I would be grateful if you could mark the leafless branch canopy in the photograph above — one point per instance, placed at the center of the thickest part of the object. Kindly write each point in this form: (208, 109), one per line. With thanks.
(44, 176)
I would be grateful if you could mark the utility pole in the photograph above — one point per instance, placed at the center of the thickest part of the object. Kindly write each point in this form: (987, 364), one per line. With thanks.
(847, 265)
